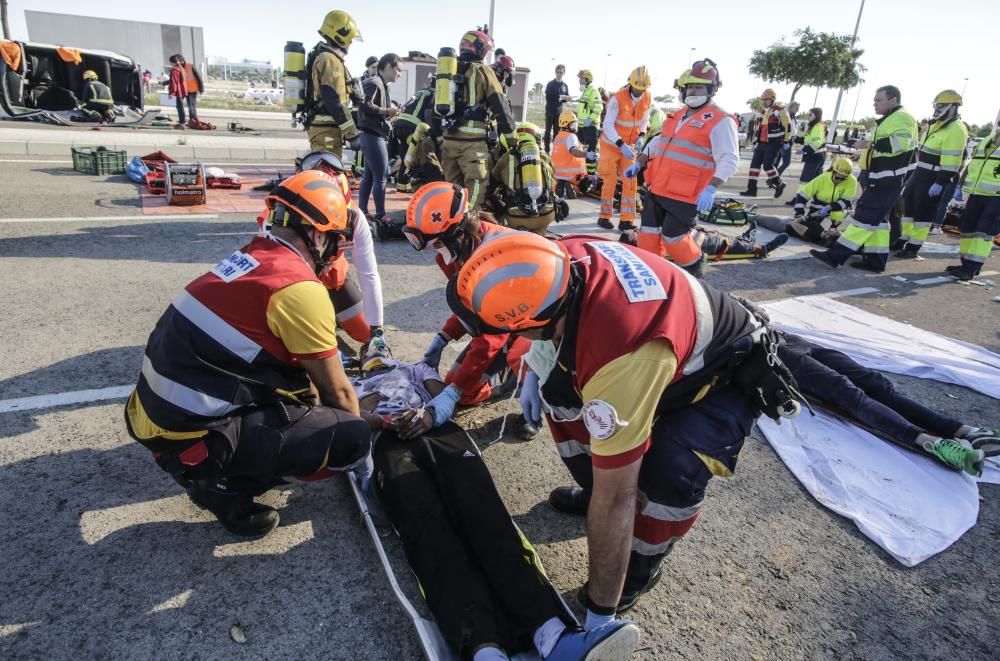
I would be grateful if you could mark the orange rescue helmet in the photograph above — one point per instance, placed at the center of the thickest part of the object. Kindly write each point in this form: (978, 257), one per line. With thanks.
(309, 198)
(435, 211)
(515, 282)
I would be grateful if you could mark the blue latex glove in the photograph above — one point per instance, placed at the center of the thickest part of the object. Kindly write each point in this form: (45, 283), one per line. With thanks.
(935, 190)
(706, 199)
(627, 151)
(591, 155)
(531, 399)
(433, 354)
(444, 404)
(825, 210)
(586, 123)
(595, 621)
(786, 146)
(958, 193)
(632, 171)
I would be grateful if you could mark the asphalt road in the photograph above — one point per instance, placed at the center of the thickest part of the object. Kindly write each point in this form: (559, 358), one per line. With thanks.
(106, 558)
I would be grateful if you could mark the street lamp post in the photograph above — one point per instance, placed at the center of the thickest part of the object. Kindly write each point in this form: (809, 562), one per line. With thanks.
(690, 56)
(840, 94)
(606, 59)
(964, 86)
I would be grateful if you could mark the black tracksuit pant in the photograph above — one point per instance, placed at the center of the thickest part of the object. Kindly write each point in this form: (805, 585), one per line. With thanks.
(831, 377)
(480, 576)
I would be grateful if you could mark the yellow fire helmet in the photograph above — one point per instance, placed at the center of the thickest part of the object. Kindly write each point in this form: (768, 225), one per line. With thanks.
(340, 28)
(586, 75)
(948, 96)
(842, 166)
(566, 118)
(90, 74)
(639, 79)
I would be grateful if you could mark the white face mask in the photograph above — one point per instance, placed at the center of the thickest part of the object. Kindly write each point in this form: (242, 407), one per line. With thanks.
(695, 101)
(583, 86)
(445, 254)
(541, 358)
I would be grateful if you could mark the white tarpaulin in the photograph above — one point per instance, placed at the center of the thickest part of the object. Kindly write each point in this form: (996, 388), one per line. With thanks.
(906, 503)
(888, 345)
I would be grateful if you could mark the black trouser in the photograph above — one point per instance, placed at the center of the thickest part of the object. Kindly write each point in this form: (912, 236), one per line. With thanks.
(765, 157)
(832, 377)
(588, 136)
(812, 167)
(276, 441)
(784, 158)
(480, 577)
(551, 126)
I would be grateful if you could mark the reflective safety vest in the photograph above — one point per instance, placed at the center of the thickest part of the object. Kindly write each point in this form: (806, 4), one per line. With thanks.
(983, 174)
(189, 79)
(328, 69)
(567, 167)
(212, 354)
(630, 116)
(97, 92)
(680, 159)
(590, 105)
(815, 139)
(776, 124)
(412, 113)
(888, 159)
(942, 150)
(823, 191)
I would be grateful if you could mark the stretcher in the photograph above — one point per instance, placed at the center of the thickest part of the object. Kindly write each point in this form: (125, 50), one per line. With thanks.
(431, 640)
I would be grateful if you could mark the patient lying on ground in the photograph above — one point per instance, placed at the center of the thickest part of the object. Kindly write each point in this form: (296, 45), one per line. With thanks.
(480, 577)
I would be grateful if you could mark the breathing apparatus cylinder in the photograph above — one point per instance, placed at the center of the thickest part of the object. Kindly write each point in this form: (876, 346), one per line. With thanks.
(445, 82)
(294, 79)
(530, 166)
(414, 144)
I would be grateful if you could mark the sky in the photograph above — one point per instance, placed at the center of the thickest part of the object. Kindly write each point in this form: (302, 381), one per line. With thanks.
(921, 46)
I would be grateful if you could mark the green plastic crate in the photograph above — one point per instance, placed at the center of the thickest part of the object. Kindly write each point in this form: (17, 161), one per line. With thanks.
(99, 161)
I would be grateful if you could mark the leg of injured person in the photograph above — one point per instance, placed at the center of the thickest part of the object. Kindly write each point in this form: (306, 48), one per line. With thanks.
(480, 576)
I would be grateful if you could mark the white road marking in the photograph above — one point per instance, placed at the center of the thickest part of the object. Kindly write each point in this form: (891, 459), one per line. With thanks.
(948, 278)
(861, 291)
(64, 399)
(88, 219)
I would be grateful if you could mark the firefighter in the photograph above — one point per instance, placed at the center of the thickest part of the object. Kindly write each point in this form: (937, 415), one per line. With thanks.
(504, 69)
(98, 104)
(438, 217)
(939, 160)
(588, 112)
(642, 422)
(980, 220)
(524, 183)
(625, 122)
(478, 99)
(775, 136)
(697, 151)
(569, 158)
(226, 398)
(416, 111)
(884, 165)
(331, 88)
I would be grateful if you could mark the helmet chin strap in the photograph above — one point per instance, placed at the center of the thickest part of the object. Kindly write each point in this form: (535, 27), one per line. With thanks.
(320, 259)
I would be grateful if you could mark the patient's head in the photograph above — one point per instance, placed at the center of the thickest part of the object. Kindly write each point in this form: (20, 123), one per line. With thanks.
(377, 360)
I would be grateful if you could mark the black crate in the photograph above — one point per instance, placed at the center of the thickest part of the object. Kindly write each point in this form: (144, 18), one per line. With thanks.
(99, 161)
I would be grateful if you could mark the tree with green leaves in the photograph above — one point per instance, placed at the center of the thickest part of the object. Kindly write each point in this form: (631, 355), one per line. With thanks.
(819, 59)
(664, 99)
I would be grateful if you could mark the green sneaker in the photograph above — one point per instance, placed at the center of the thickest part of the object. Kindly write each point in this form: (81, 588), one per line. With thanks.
(959, 454)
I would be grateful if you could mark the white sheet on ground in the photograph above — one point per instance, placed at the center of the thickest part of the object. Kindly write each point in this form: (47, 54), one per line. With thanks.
(907, 504)
(888, 345)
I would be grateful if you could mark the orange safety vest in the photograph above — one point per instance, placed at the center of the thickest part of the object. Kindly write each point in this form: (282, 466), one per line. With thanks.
(680, 160)
(629, 119)
(192, 82)
(566, 166)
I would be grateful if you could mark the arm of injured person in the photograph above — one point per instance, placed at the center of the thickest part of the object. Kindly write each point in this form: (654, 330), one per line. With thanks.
(410, 399)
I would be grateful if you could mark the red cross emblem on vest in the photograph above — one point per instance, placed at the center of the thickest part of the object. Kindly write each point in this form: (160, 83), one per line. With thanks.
(707, 115)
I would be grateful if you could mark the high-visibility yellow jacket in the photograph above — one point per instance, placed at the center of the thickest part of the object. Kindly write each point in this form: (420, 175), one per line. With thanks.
(590, 105)
(814, 141)
(942, 150)
(889, 158)
(983, 174)
(822, 191)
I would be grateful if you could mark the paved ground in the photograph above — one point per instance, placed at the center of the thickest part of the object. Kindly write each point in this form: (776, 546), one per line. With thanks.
(105, 558)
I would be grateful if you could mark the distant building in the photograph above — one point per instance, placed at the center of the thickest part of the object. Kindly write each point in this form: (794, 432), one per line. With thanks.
(149, 44)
